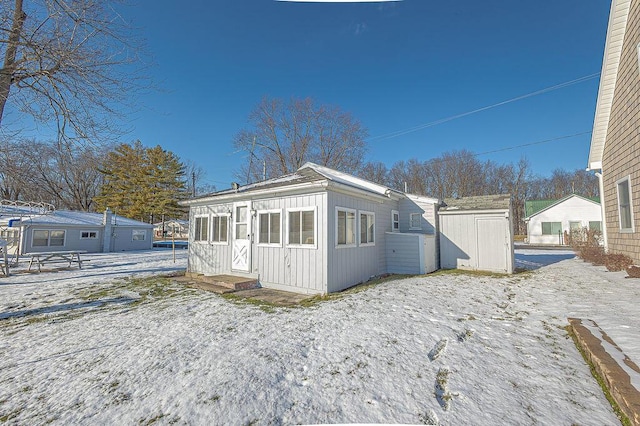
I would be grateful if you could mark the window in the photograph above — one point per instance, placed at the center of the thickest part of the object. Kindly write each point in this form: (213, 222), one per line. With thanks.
(269, 227)
(220, 231)
(345, 227)
(551, 228)
(138, 235)
(302, 227)
(367, 228)
(395, 221)
(624, 205)
(202, 229)
(48, 238)
(88, 235)
(595, 225)
(575, 226)
(415, 221)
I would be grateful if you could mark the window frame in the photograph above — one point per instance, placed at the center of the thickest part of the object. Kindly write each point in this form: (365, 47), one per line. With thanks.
(551, 228)
(49, 231)
(346, 210)
(89, 237)
(259, 228)
(395, 222)
(414, 228)
(631, 229)
(599, 222)
(142, 232)
(372, 215)
(290, 210)
(198, 238)
(212, 238)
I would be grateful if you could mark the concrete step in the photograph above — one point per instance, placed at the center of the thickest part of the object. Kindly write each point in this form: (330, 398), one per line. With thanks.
(231, 282)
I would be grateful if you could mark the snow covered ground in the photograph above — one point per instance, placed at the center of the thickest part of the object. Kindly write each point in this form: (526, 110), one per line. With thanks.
(95, 346)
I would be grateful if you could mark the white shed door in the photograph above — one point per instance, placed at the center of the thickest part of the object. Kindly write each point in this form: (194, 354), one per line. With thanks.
(241, 256)
(492, 244)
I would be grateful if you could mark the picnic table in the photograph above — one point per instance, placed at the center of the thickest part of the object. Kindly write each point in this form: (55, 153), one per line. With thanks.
(72, 256)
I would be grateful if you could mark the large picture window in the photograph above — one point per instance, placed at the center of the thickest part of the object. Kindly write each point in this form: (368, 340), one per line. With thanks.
(551, 228)
(48, 238)
(624, 205)
(367, 228)
(269, 227)
(138, 235)
(220, 231)
(345, 227)
(201, 228)
(302, 227)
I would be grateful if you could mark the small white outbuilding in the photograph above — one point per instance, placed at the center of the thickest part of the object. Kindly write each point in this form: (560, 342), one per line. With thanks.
(476, 233)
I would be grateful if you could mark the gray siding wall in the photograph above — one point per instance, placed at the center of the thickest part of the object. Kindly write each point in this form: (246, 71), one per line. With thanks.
(123, 238)
(429, 220)
(299, 269)
(410, 253)
(348, 266)
(72, 240)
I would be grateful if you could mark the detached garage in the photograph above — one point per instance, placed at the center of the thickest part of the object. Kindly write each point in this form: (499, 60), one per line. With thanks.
(476, 233)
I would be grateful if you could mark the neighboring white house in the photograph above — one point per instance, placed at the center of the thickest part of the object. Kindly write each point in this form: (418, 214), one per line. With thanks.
(477, 233)
(314, 231)
(176, 228)
(549, 220)
(31, 230)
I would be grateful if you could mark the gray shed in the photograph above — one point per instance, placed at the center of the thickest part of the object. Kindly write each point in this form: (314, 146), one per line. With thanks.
(477, 233)
(314, 231)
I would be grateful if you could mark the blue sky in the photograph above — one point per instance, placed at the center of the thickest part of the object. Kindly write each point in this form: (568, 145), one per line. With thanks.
(392, 65)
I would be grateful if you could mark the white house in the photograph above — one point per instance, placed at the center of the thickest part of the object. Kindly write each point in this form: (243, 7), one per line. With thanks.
(548, 220)
(320, 231)
(314, 231)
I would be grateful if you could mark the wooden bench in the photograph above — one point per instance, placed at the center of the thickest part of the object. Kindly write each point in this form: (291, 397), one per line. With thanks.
(56, 256)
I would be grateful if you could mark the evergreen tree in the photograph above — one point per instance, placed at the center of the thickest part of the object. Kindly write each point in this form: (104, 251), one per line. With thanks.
(142, 183)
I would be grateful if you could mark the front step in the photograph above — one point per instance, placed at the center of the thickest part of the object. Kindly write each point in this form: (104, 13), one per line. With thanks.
(231, 282)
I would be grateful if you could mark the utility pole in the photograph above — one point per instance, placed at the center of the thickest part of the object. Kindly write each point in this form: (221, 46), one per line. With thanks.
(264, 169)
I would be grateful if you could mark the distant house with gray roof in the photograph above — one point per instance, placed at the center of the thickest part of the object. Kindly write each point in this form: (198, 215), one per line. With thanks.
(32, 230)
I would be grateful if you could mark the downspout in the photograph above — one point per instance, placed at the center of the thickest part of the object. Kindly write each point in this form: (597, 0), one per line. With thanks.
(604, 218)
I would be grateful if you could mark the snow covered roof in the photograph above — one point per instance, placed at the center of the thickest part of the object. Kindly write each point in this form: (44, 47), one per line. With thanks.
(309, 173)
(76, 218)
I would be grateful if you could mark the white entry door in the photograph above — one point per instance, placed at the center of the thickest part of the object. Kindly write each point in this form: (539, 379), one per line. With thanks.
(241, 260)
(492, 244)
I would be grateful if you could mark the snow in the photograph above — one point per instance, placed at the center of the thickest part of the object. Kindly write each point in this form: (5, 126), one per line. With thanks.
(95, 346)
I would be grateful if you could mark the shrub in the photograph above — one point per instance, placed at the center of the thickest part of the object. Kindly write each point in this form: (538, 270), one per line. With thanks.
(586, 243)
(633, 271)
(617, 262)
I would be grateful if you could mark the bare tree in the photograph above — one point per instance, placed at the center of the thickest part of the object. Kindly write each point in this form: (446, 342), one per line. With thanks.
(375, 172)
(67, 62)
(283, 136)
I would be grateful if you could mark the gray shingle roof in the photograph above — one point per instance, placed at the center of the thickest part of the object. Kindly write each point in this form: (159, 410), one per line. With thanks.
(482, 202)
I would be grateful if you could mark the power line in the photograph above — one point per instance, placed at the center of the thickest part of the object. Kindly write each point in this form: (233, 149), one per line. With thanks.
(534, 143)
(464, 114)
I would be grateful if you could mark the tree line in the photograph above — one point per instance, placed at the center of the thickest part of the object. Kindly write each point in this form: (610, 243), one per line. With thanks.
(139, 182)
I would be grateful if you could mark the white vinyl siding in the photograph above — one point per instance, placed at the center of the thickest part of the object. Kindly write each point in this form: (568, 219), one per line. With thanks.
(48, 238)
(220, 229)
(624, 205)
(269, 229)
(367, 228)
(201, 228)
(345, 227)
